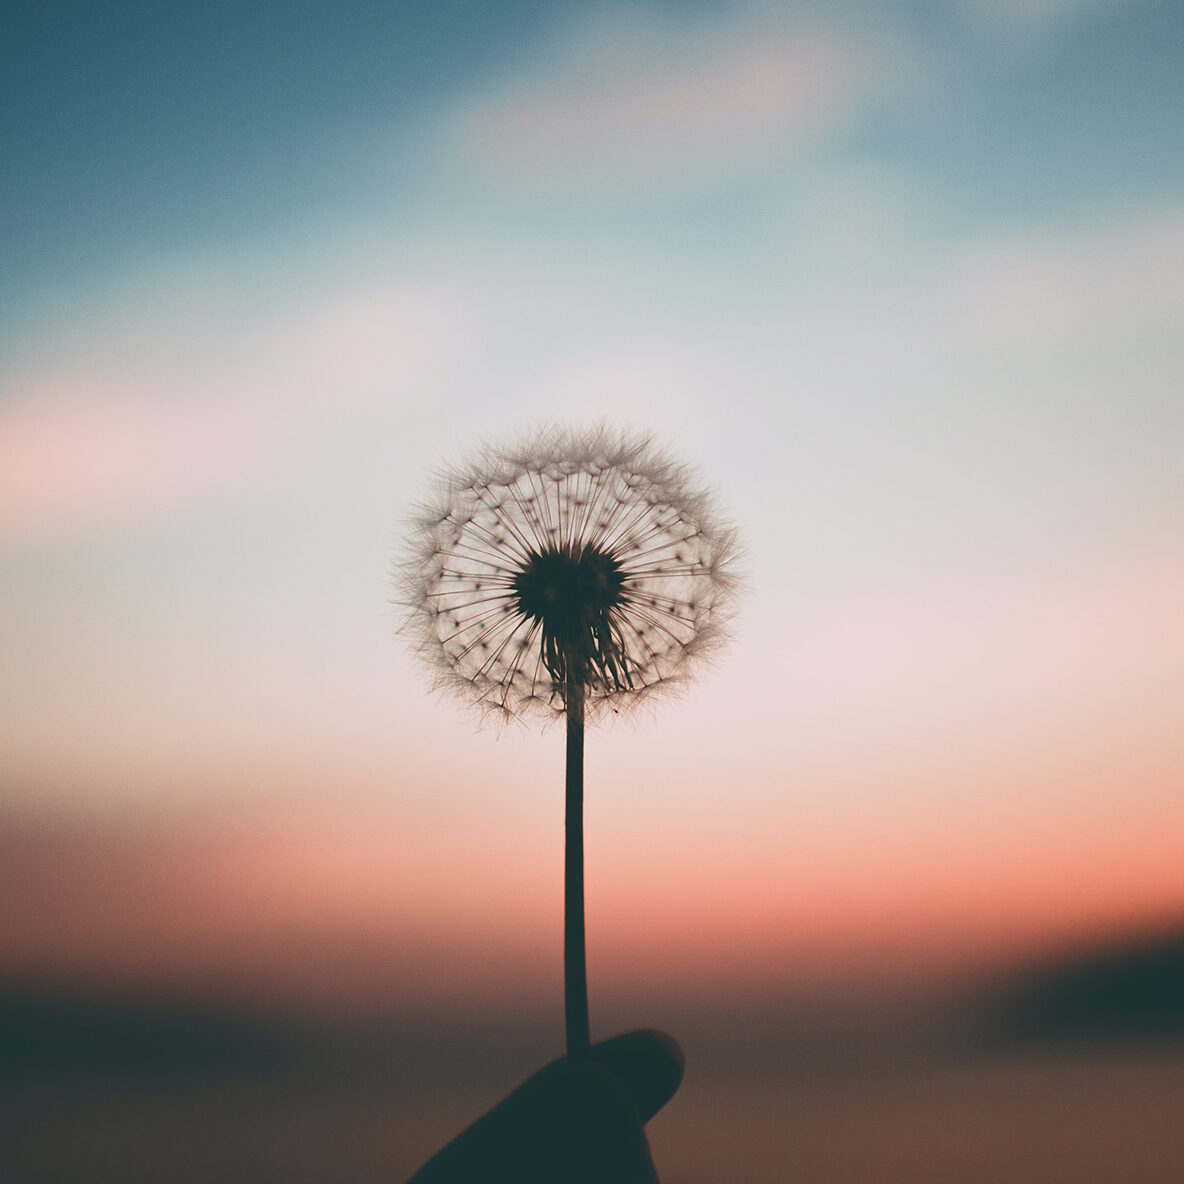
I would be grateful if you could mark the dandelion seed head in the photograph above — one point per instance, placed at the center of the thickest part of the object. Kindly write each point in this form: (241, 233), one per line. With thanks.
(573, 562)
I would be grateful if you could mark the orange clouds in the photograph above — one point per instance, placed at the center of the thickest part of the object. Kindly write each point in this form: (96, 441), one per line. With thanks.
(342, 905)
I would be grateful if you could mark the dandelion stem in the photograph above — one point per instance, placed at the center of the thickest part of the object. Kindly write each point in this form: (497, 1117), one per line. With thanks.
(575, 972)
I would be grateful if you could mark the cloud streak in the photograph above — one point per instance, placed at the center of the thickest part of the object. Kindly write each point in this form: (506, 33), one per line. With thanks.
(631, 100)
(139, 427)
(1028, 19)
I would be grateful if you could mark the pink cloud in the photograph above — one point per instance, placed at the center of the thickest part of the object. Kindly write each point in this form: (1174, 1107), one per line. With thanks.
(641, 105)
(111, 438)
(76, 451)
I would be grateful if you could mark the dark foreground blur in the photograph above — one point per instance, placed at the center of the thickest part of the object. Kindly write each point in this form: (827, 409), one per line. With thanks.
(1071, 1072)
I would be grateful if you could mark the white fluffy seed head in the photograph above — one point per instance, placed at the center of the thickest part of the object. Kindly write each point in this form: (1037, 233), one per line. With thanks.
(607, 501)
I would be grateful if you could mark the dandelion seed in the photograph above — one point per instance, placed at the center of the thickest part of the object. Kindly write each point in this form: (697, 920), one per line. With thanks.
(566, 578)
(599, 545)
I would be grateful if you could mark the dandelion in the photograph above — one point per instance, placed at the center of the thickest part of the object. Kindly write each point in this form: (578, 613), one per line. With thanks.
(571, 576)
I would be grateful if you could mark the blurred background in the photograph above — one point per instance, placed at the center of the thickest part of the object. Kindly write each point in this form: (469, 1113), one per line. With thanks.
(904, 281)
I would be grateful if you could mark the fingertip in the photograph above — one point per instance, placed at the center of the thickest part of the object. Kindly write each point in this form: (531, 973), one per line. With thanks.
(649, 1063)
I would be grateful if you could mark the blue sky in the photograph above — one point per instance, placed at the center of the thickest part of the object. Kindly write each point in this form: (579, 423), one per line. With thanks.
(133, 128)
(903, 280)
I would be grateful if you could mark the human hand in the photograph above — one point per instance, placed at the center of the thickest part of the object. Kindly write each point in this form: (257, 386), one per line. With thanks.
(576, 1121)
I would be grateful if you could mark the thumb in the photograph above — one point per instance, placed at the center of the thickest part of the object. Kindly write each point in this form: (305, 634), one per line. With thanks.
(579, 1121)
(648, 1063)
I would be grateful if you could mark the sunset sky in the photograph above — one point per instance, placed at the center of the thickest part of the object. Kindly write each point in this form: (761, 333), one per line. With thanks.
(904, 282)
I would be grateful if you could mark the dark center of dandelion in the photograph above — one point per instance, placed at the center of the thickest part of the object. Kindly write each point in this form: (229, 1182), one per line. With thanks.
(571, 593)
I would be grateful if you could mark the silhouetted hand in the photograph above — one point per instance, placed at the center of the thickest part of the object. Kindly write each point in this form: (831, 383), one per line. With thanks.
(575, 1121)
